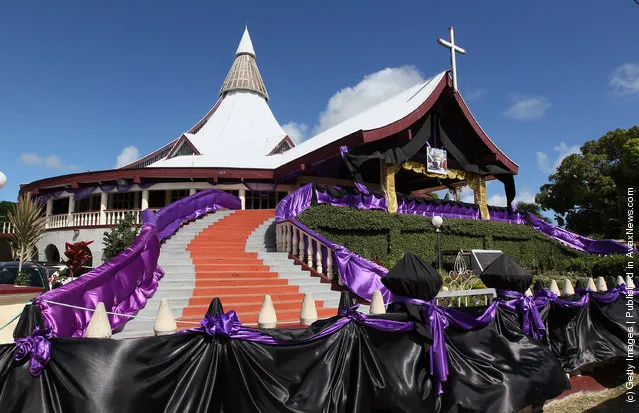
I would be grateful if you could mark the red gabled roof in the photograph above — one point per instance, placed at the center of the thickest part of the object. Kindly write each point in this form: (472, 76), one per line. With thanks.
(182, 140)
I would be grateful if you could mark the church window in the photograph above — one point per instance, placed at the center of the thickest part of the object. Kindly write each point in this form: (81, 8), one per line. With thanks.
(123, 200)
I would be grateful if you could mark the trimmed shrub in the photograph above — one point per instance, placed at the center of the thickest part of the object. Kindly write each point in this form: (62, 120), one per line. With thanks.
(387, 236)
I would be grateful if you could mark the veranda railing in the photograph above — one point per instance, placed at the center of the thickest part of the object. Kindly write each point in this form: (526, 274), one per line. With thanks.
(321, 258)
(91, 218)
(6, 228)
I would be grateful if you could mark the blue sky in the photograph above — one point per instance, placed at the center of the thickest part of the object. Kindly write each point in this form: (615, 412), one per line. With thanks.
(79, 83)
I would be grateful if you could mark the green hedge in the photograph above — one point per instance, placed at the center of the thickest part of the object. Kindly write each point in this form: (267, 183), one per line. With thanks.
(383, 237)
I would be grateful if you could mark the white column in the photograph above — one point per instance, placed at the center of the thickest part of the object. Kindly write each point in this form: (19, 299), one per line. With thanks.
(192, 191)
(242, 195)
(71, 210)
(49, 211)
(145, 199)
(104, 202)
(167, 197)
(49, 206)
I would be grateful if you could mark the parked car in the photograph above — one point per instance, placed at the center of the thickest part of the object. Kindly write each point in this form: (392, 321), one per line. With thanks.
(39, 274)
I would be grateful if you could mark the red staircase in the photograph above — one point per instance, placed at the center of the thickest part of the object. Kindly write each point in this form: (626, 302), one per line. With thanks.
(240, 279)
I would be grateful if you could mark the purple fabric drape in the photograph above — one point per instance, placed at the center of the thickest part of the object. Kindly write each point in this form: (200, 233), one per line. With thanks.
(37, 347)
(358, 274)
(229, 325)
(579, 242)
(294, 203)
(171, 217)
(532, 324)
(439, 318)
(82, 193)
(124, 283)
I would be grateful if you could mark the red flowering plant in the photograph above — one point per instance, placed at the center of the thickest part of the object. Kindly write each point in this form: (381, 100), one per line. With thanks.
(78, 254)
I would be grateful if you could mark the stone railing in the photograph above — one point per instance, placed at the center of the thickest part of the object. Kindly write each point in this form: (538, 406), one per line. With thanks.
(91, 218)
(6, 228)
(86, 219)
(112, 217)
(321, 258)
(58, 221)
(306, 248)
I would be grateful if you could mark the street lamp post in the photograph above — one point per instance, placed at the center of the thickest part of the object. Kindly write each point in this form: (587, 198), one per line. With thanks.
(437, 222)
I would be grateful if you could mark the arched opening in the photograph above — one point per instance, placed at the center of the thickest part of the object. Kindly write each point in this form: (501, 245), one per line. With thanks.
(51, 253)
(6, 254)
(35, 254)
(89, 262)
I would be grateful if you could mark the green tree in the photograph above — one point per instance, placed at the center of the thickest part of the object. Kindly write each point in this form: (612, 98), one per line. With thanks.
(28, 223)
(5, 208)
(119, 238)
(531, 207)
(588, 190)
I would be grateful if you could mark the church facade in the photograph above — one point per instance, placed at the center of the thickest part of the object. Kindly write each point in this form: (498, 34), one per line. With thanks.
(422, 140)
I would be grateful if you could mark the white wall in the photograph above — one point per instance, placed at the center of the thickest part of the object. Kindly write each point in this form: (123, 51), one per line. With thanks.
(59, 237)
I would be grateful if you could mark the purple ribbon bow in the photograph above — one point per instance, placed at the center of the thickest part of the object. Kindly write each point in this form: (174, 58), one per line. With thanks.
(438, 355)
(532, 323)
(38, 347)
(353, 314)
(437, 321)
(225, 325)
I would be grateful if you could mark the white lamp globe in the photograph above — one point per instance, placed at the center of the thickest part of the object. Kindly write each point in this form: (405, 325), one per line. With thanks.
(3, 180)
(437, 221)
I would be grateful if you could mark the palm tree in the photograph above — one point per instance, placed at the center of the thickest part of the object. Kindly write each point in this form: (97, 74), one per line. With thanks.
(531, 207)
(28, 223)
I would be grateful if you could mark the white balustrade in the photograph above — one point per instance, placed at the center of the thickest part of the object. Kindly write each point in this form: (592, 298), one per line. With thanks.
(86, 219)
(90, 219)
(7, 228)
(300, 237)
(294, 241)
(309, 251)
(290, 238)
(115, 216)
(57, 221)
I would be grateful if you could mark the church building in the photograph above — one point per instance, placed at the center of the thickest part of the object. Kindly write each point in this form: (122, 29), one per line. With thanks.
(422, 140)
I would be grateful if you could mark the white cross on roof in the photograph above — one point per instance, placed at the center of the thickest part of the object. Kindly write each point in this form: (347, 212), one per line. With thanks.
(453, 50)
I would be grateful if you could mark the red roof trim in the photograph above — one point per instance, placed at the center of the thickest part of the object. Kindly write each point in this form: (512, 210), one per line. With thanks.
(142, 160)
(177, 145)
(512, 166)
(195, 129)
(406, 122)
(141, 173)
(286, 139)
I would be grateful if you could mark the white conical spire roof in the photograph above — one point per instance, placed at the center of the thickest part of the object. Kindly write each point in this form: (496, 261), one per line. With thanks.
(246, 45)
(244, 74)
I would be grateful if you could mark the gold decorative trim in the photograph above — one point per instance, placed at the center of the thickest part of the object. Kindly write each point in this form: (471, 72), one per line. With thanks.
(388, 173)
(478, 184)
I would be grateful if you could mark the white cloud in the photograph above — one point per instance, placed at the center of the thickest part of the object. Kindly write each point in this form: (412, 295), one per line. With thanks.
(128, 155)
(528, 108)
(51, 161)
(563, 150)
(474, 95)
(296, 131)
(624, 80)
(467, 195)
(500, 200)
(373, 89)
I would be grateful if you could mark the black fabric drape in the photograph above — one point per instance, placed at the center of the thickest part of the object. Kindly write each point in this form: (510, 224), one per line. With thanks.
(355, 159)
(356, 369)
(584, 338)
(397, 155)
(506, 274)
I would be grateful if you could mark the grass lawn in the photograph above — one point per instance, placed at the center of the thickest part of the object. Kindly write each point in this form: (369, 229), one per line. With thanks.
(606, 401)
